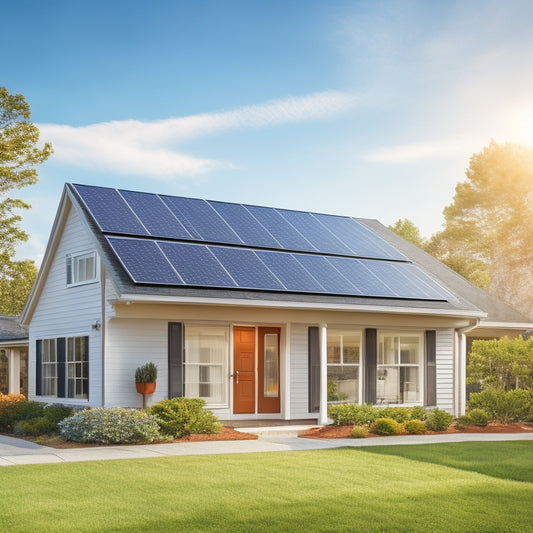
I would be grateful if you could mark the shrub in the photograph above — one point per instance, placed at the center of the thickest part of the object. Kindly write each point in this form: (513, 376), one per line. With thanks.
(182, 416)
(56, 412)
(114, 425)
(418, 413)
(46, 424)
(359, 432)
(9, 399)
(20, 410)
(146, 373)
(478, 417)
(504, 406)
(348, 414)
(415, 427)
(438, 420)
(400, 414)
(385, 426)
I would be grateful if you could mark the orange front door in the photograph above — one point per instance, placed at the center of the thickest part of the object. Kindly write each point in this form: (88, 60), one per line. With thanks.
(268, 390)
(243, 370)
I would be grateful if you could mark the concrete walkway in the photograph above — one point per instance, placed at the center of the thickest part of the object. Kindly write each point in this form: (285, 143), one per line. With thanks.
(20, 452)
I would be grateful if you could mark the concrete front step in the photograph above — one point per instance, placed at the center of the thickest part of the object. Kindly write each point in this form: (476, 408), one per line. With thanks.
(276, 431)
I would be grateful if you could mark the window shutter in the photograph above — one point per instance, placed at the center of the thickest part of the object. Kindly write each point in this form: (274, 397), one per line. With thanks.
(38, 367)
(371, 361)
(314, 369)
(86, 359)
(69, 269)
(176, 371)
(431, 368)
(61, 368)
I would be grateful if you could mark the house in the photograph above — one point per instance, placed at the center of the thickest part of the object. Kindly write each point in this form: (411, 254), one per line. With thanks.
(13, 356)
(262, 312)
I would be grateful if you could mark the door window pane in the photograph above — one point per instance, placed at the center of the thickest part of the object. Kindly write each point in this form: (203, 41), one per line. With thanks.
(271, 370)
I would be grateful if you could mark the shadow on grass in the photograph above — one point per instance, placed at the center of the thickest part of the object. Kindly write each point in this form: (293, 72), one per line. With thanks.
(504, 460)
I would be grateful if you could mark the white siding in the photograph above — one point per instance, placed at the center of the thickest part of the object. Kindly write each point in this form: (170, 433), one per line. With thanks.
(64, 312)
(445, 373)
(132, 343)
(299, 374)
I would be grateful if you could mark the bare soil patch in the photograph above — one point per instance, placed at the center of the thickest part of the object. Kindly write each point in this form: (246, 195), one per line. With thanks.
(344, 432)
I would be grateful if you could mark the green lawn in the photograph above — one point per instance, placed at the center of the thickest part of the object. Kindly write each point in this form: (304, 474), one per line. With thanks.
(441, 487)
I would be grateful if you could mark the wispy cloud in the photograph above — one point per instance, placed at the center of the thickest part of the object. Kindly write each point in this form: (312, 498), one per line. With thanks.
(148, 148)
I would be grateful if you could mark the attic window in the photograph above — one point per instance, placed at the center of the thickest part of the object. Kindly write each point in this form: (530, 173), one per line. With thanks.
(81, 268)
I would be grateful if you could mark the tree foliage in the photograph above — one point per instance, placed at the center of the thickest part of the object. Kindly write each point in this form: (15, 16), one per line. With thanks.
(488, 231)
(409, 231)
(19, 154)
(502, 364)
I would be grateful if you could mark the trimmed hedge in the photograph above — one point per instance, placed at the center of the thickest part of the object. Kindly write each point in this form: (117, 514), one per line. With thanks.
(178, 417)
(415, 427)
(385, 426)
(114, 425)
(349, 414)
(504, 406)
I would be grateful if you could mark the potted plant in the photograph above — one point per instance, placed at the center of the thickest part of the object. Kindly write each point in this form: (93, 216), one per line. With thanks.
(145, 377)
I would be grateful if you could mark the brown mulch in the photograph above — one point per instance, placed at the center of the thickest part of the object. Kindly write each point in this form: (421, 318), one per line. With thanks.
(226, 434)
(344, 432)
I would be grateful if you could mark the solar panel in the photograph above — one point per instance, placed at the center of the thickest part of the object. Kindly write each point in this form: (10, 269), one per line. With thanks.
(246, 268)
(202, 218)
(290, 272)
(321, 238)
(110, 211)
(155, 215)
(144, 261)
(196, 264)
(244, 225)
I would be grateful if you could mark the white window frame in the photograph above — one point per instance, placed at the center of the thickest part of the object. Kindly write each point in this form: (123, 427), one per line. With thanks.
(73, 267)
(346, 332)
(398, 364)
(49, 379)
(70, 350)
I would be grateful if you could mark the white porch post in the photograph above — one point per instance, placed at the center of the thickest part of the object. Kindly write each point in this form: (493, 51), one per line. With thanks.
(323, 416)
(285, 378)
(13, 365)
(462, 376)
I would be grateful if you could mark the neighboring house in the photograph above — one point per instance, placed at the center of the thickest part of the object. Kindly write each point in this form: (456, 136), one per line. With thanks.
(263, 313)
(13, 356)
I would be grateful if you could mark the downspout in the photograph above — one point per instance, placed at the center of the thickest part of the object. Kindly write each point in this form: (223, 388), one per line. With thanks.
(104, 327)
(323, 411)
(460, 369)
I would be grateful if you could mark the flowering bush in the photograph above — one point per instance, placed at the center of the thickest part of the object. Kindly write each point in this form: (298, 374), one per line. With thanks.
(114, 425)
(10, 399)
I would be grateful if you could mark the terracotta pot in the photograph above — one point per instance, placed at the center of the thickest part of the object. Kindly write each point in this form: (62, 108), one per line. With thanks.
(145, 388)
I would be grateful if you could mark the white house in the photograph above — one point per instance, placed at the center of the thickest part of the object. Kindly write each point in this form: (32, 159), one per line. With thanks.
(262, 312)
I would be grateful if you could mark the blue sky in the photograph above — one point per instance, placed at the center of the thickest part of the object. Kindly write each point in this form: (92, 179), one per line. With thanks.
(369, 109)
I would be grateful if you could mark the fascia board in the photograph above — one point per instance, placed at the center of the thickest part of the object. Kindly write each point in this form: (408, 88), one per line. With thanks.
(15, 342)
(505, 325)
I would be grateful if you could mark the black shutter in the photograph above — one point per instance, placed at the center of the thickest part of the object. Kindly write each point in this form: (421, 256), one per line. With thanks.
(313, 346)
(86, 361)
(431, 368)
(61, 368)
(38, 367)
(176, 372)
(371, 361)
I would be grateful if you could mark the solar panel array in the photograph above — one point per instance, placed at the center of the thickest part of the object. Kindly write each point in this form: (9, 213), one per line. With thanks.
(166, 240)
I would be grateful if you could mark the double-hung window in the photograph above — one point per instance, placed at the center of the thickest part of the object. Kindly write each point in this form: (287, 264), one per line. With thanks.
(399, 368)
(49, 367)
(344, 357)
(77, 367)
(82, 268)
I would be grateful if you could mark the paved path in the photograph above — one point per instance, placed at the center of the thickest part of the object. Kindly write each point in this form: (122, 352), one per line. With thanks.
(18, 452)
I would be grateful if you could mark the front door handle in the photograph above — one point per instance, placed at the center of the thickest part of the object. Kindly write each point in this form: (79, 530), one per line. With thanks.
(236, 376)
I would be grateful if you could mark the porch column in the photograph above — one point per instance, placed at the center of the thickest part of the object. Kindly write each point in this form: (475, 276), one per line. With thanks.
(323, 415)
(13, 365)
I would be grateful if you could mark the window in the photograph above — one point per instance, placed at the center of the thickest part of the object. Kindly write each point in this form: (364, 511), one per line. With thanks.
(344, 356)
(81, 268)
(206, 356)
(64, 367)
(398, 369)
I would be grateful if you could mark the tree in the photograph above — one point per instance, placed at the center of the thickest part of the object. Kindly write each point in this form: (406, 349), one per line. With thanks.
(19, 154)
(488, 232)
(409, 231)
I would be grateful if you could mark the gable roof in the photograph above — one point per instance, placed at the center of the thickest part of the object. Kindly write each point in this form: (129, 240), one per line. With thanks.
(11, 330)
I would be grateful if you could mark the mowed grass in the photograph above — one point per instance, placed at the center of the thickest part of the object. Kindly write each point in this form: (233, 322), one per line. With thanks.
(442, 487)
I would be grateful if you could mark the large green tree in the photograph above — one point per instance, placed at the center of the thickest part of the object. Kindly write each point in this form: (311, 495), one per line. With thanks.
(488, 230)
(19, 154)
(408, 230)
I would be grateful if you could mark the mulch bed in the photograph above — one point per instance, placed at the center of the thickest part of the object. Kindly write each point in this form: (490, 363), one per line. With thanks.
(344, 432)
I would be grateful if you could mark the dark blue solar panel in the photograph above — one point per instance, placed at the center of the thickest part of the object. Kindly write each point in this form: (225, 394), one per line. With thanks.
(291, 273)
(358, 238)
(196, 264)
(366, 282)
(155, 215)
(434, 290)
(328, 276)
(144, 261)
(202, 218)
(280, 229)
(321, 238)
(245, 225)
(110, 211)
(246, 268)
